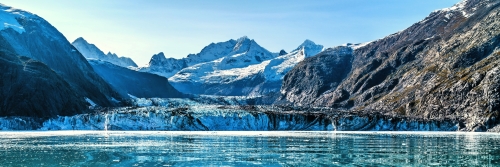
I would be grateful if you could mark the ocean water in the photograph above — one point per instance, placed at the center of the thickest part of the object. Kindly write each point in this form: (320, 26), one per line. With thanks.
(252, 148)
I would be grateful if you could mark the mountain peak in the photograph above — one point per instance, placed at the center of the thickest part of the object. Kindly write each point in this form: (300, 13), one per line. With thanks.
(158, 57)
(243, 38)
(282, 52)
(80, 40)
(310, 48)
(243, 44)
(112, 54)
(308, 42)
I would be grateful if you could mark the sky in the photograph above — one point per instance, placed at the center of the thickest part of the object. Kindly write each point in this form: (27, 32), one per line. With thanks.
(138, 28)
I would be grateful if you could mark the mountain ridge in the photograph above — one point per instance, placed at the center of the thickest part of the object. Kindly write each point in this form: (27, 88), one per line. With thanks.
(443, 67)
(235, 67)
(90, 51)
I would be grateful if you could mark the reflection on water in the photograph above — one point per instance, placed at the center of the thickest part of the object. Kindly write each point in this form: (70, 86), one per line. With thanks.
(97, 148)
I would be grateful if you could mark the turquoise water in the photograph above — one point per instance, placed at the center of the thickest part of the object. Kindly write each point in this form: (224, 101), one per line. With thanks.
(154, 148)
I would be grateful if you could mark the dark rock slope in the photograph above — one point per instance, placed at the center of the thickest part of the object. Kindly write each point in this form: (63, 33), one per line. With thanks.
(44, 47)
(322, 72)
(30, 88)
(443, 67)
(138, 84)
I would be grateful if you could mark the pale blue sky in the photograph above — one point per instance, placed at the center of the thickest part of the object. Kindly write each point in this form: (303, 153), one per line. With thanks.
(141, 28)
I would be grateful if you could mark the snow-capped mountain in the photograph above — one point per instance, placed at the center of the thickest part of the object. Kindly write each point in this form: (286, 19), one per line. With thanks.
(243, 57)
(90, 51)
(223, 55)
(235, 67)
(60, 80)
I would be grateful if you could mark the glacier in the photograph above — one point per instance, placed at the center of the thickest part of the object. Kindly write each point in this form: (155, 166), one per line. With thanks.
(219, 113)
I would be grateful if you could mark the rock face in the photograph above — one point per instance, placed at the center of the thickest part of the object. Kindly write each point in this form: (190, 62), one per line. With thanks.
(138, 84)
(90, 51)
(322, 72)
(443, 67)
(54, 64)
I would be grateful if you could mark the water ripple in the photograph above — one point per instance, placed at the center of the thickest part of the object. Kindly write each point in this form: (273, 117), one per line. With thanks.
(115, 148)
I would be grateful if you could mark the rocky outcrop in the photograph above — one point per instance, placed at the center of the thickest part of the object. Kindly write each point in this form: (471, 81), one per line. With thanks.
(443, 67)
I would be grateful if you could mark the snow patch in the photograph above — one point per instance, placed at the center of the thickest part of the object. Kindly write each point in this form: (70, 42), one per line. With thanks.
(231, 75)
(92, 104)
(8, 18)
(279, 66)
(358, 45)
(114, 100)
(429, 38)
(132, 96)
(457, 7)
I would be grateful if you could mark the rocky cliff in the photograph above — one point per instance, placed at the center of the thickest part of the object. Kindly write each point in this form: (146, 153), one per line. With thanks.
(443, 67)
(314, 76)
